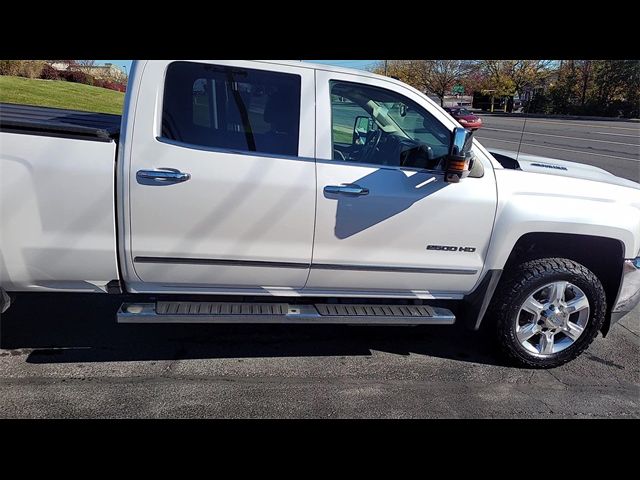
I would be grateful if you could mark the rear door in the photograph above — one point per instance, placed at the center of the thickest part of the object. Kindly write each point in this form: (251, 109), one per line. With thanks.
(221, 176)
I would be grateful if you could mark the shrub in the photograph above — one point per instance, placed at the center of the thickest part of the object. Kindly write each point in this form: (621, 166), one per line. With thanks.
(76, 76)
(119, 87)
(22, 68)
(9, 67)
(32, 68)
(49, 73)
(541, 103)
(622, 108)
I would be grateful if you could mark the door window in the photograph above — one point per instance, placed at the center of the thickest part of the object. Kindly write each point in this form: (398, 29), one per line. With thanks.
(377, 126)
(232, 108)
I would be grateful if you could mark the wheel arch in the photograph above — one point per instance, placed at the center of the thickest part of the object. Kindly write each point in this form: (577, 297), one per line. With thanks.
(604, 256)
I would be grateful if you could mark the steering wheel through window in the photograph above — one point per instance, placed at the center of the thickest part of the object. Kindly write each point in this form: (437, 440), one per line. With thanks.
(370, 145)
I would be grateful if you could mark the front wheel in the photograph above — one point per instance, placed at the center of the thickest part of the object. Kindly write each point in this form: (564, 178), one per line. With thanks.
(548, 311)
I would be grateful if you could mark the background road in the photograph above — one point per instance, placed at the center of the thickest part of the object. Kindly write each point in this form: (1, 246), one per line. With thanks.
(612, 145)
(63, 356)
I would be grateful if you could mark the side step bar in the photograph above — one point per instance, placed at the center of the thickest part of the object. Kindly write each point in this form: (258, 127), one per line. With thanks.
(215, 312)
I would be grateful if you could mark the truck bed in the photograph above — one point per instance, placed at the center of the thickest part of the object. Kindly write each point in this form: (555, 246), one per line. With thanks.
(58, 122)
(57, 212)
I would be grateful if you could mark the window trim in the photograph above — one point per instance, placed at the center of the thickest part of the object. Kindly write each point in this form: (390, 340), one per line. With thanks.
(230, 151)
(377, 165)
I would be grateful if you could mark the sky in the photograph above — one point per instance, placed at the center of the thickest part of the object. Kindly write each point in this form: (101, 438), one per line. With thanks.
(360, 64)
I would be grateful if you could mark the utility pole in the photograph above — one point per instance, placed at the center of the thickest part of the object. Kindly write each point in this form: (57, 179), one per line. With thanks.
(385, 67)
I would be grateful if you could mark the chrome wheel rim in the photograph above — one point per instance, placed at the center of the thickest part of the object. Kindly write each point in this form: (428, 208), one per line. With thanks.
(552, 318)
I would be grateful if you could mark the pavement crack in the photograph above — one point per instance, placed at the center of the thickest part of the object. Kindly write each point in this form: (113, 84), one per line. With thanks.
(544, 403)
(168, 369)
(529, 394)
(629, 330)
(179, 354)
(558, 379)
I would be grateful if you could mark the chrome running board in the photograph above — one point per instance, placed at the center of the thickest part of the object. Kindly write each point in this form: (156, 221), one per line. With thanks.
(332, 313)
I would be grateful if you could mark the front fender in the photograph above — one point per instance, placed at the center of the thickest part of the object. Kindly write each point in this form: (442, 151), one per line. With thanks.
(532, 202)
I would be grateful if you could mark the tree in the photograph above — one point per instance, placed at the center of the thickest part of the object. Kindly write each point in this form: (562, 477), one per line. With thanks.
(497, 77)
(509, 77)
(400, 69)
(527, 74)
(474, 80)
(83, 65)
(563, 92)
(586, 87)
(584, 73)
(439, 76)
(616, 86)
(434, 76)
(596, 87)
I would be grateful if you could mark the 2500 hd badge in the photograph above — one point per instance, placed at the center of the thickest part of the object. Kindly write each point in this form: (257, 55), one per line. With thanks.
(445, 248)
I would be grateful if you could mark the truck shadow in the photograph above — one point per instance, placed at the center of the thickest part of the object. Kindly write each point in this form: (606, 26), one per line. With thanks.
(81, 328)
(393, 192)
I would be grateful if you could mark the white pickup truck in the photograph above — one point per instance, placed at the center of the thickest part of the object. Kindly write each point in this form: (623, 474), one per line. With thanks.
(272, 191)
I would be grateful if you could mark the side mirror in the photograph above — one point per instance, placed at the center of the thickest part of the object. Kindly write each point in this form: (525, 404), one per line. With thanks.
(361, 128)
(403, 110)
(459, 156)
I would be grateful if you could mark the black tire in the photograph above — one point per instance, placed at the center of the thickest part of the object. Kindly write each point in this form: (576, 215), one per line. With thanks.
(522, 281)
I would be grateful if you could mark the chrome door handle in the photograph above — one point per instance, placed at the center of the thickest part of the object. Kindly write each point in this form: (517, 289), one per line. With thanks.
(349, 189)
(161, 176)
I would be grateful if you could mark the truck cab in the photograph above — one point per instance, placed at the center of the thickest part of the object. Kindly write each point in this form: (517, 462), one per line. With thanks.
(282, 198)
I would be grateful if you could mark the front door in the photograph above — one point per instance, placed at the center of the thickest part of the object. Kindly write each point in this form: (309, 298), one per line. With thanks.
(222, 181)
(387, 222)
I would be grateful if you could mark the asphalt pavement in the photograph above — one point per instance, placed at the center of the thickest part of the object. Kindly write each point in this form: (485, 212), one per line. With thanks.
(64, 356)
(611, 145)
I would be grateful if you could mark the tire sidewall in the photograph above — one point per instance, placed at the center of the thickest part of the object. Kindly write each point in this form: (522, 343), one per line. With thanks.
(596, 316)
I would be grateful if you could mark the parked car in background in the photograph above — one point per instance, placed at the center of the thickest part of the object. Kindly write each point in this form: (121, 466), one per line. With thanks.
(465, 117)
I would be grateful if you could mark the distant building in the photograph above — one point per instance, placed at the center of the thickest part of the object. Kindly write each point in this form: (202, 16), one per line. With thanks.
(106, 71)
(59, 65)
(452, 100)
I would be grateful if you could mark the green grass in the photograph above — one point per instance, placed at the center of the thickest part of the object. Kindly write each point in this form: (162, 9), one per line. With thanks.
(60, 94)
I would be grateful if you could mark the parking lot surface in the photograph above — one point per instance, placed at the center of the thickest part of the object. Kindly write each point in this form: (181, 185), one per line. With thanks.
(65, 357)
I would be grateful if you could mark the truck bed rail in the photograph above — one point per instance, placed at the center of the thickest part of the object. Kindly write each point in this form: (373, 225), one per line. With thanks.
(58, 122)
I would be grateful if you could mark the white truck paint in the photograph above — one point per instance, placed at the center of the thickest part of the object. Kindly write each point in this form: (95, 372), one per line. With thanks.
(249, 223)
(247, 212)
(57, 214)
